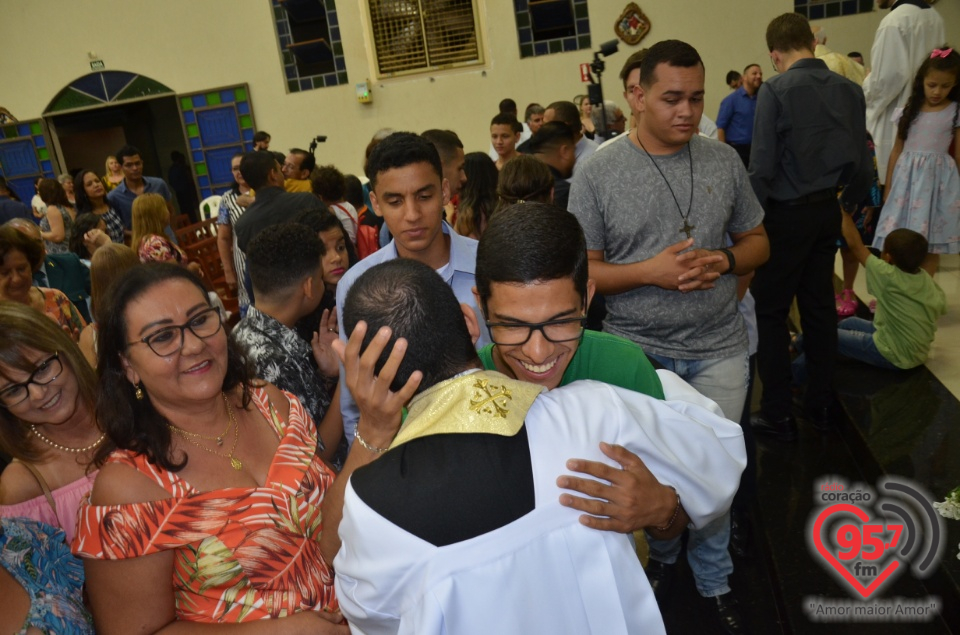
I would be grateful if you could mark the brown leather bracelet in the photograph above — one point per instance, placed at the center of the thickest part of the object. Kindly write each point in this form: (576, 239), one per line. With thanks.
(676, 513)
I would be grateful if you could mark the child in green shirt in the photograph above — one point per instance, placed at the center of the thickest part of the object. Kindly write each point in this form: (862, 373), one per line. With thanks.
(908, 303)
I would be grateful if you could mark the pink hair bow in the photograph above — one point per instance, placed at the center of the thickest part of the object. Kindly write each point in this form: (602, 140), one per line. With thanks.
(940, 53)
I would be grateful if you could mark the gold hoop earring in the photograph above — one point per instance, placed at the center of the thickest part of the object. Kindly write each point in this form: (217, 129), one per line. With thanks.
(138, 392)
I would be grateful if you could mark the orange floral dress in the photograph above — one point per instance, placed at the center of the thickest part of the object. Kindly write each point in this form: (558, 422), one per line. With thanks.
(242, 554)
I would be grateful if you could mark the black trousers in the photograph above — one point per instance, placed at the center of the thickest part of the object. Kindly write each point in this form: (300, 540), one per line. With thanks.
(743, 149)
(803, 247)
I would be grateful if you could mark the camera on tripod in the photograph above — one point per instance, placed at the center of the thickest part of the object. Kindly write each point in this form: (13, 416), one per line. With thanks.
(595, 88)
(318, 139)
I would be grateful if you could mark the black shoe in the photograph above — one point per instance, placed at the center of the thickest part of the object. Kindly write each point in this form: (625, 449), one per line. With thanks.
(728, 613)
(739, 534)
(784, 429)
(819, 418)
(661, 576)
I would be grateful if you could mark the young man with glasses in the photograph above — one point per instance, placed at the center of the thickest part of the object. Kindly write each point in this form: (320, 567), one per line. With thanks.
(534, 291)
(462, 507)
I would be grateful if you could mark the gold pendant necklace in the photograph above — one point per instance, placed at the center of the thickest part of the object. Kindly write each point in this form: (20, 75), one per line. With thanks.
(219, 437)
(235, 463)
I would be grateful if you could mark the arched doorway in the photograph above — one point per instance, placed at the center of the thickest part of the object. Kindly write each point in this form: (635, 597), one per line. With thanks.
(95, 114)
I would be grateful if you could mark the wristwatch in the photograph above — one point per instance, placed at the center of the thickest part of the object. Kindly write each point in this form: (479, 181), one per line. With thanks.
(730, 260)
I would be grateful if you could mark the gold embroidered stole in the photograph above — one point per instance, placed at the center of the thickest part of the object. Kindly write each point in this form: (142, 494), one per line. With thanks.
(485, 402)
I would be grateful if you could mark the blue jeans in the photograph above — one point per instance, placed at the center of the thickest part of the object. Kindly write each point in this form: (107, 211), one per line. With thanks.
(725, 382)
(854, 340)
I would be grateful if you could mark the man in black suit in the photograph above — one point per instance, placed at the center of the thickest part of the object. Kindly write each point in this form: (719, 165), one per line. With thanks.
(63, 272)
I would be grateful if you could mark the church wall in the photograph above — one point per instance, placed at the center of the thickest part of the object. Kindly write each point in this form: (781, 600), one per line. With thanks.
(190, 46)
(855, 32)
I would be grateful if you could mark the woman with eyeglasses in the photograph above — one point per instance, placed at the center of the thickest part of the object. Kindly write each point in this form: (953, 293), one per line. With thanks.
(207, 505)
(48, 426)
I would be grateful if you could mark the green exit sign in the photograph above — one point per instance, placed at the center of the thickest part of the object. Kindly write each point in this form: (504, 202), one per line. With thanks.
(96, 65)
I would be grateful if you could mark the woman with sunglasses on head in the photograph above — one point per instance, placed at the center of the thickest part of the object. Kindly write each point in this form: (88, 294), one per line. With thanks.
(207, 506)
(47, 424)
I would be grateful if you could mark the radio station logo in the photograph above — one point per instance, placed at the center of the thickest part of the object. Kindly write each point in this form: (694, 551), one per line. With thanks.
(867, 538)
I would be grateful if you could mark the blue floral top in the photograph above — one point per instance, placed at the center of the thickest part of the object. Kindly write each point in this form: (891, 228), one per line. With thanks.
(37, 556)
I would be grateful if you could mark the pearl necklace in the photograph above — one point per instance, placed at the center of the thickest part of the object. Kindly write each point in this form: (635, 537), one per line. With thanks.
(64, 448)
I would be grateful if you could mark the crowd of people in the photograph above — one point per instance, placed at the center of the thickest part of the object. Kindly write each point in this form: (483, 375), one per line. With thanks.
(469, 379)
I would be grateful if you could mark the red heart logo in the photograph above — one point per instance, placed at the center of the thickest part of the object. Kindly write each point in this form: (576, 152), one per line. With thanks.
(855, 584)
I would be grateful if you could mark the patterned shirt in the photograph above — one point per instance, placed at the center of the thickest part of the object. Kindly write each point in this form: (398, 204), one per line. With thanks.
(229, 212)
(240, 554)
(111, 219)
(282, 358)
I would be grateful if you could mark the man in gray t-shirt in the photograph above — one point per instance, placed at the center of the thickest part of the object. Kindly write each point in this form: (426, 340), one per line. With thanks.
(658, 251)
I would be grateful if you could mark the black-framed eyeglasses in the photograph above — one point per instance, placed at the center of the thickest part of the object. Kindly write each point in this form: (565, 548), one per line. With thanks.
(518, 333)
(169, 339)
(45, 372)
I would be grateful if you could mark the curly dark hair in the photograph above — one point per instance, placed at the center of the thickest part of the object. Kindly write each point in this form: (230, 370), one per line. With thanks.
(329, 184)
(948, 64)
(130, 423)
(80, 193)
(83, 223)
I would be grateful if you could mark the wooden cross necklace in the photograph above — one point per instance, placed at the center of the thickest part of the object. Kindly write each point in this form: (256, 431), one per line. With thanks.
(687, 228)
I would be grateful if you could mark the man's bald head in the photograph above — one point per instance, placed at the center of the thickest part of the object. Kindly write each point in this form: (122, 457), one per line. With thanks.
(26, 227)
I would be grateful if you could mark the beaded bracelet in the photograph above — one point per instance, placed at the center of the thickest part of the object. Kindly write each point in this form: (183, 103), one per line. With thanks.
(367, 446)
(676, 511)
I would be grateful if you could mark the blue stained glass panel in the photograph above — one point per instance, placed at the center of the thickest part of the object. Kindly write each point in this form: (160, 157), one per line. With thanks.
(23, 130)
(218, 163)
(218, 126)
(195, 143)
(47, 168)
(226, 96)
(189, 116)
(116, 81)
(92, 85)
(18, 157)
(243, 108)
(248, 136)
(197, 156)
(199, 101)
(204, 181)
(23, 187)
(39, 141)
